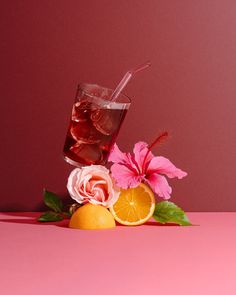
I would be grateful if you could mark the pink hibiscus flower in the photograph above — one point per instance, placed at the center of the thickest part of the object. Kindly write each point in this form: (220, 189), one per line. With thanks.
(129, 170)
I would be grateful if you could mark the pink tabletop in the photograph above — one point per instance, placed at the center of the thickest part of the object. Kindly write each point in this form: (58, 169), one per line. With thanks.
(53, 259)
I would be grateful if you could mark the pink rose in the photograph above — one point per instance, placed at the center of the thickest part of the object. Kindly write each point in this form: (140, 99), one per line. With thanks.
(92, 184)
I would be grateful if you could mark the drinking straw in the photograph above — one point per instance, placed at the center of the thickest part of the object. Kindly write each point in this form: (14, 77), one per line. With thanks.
(126, 79)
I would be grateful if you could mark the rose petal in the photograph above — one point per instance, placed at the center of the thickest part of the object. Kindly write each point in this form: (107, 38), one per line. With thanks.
(94, 170)
(162, 165)
(113, 197)
(160, 185)
(92, 184)
(71, 185)
(84, 186)
(95, 202)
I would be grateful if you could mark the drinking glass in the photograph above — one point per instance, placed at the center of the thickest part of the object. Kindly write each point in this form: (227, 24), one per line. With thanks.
(94, 125)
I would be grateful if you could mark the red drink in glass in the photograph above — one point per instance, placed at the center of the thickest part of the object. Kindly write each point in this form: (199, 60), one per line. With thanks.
(94, 125)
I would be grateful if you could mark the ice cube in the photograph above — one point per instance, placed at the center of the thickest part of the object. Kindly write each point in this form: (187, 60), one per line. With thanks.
(87, 153)
(84, 132)
(81, 110)
(104, 121)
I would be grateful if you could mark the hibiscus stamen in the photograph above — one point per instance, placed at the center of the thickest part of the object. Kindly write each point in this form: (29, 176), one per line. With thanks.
(158, 140)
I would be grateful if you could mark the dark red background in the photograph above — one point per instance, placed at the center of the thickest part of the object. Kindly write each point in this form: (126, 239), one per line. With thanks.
(47, 47)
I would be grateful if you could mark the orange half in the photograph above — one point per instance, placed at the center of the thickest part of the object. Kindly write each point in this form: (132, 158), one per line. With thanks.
(134, 206)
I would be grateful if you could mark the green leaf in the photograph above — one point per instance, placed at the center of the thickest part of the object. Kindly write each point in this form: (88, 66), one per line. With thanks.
(53, 201)
(166, 211)
(67, 214)
(50, 216)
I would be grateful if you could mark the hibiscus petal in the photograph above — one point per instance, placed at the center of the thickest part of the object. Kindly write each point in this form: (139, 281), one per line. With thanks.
(162, 165)
(140, 151)
(124, 177)
(117, 156)
(160, 185)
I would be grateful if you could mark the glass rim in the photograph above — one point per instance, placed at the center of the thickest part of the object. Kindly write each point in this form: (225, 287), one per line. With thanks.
(80, 86)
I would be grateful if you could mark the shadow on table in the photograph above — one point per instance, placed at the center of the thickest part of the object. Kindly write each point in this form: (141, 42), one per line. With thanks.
(155, 223)
(30, 218)
(151, 223)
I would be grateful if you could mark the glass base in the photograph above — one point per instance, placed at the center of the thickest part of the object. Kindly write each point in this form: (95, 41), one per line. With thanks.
(76, 164)
(73, 163)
